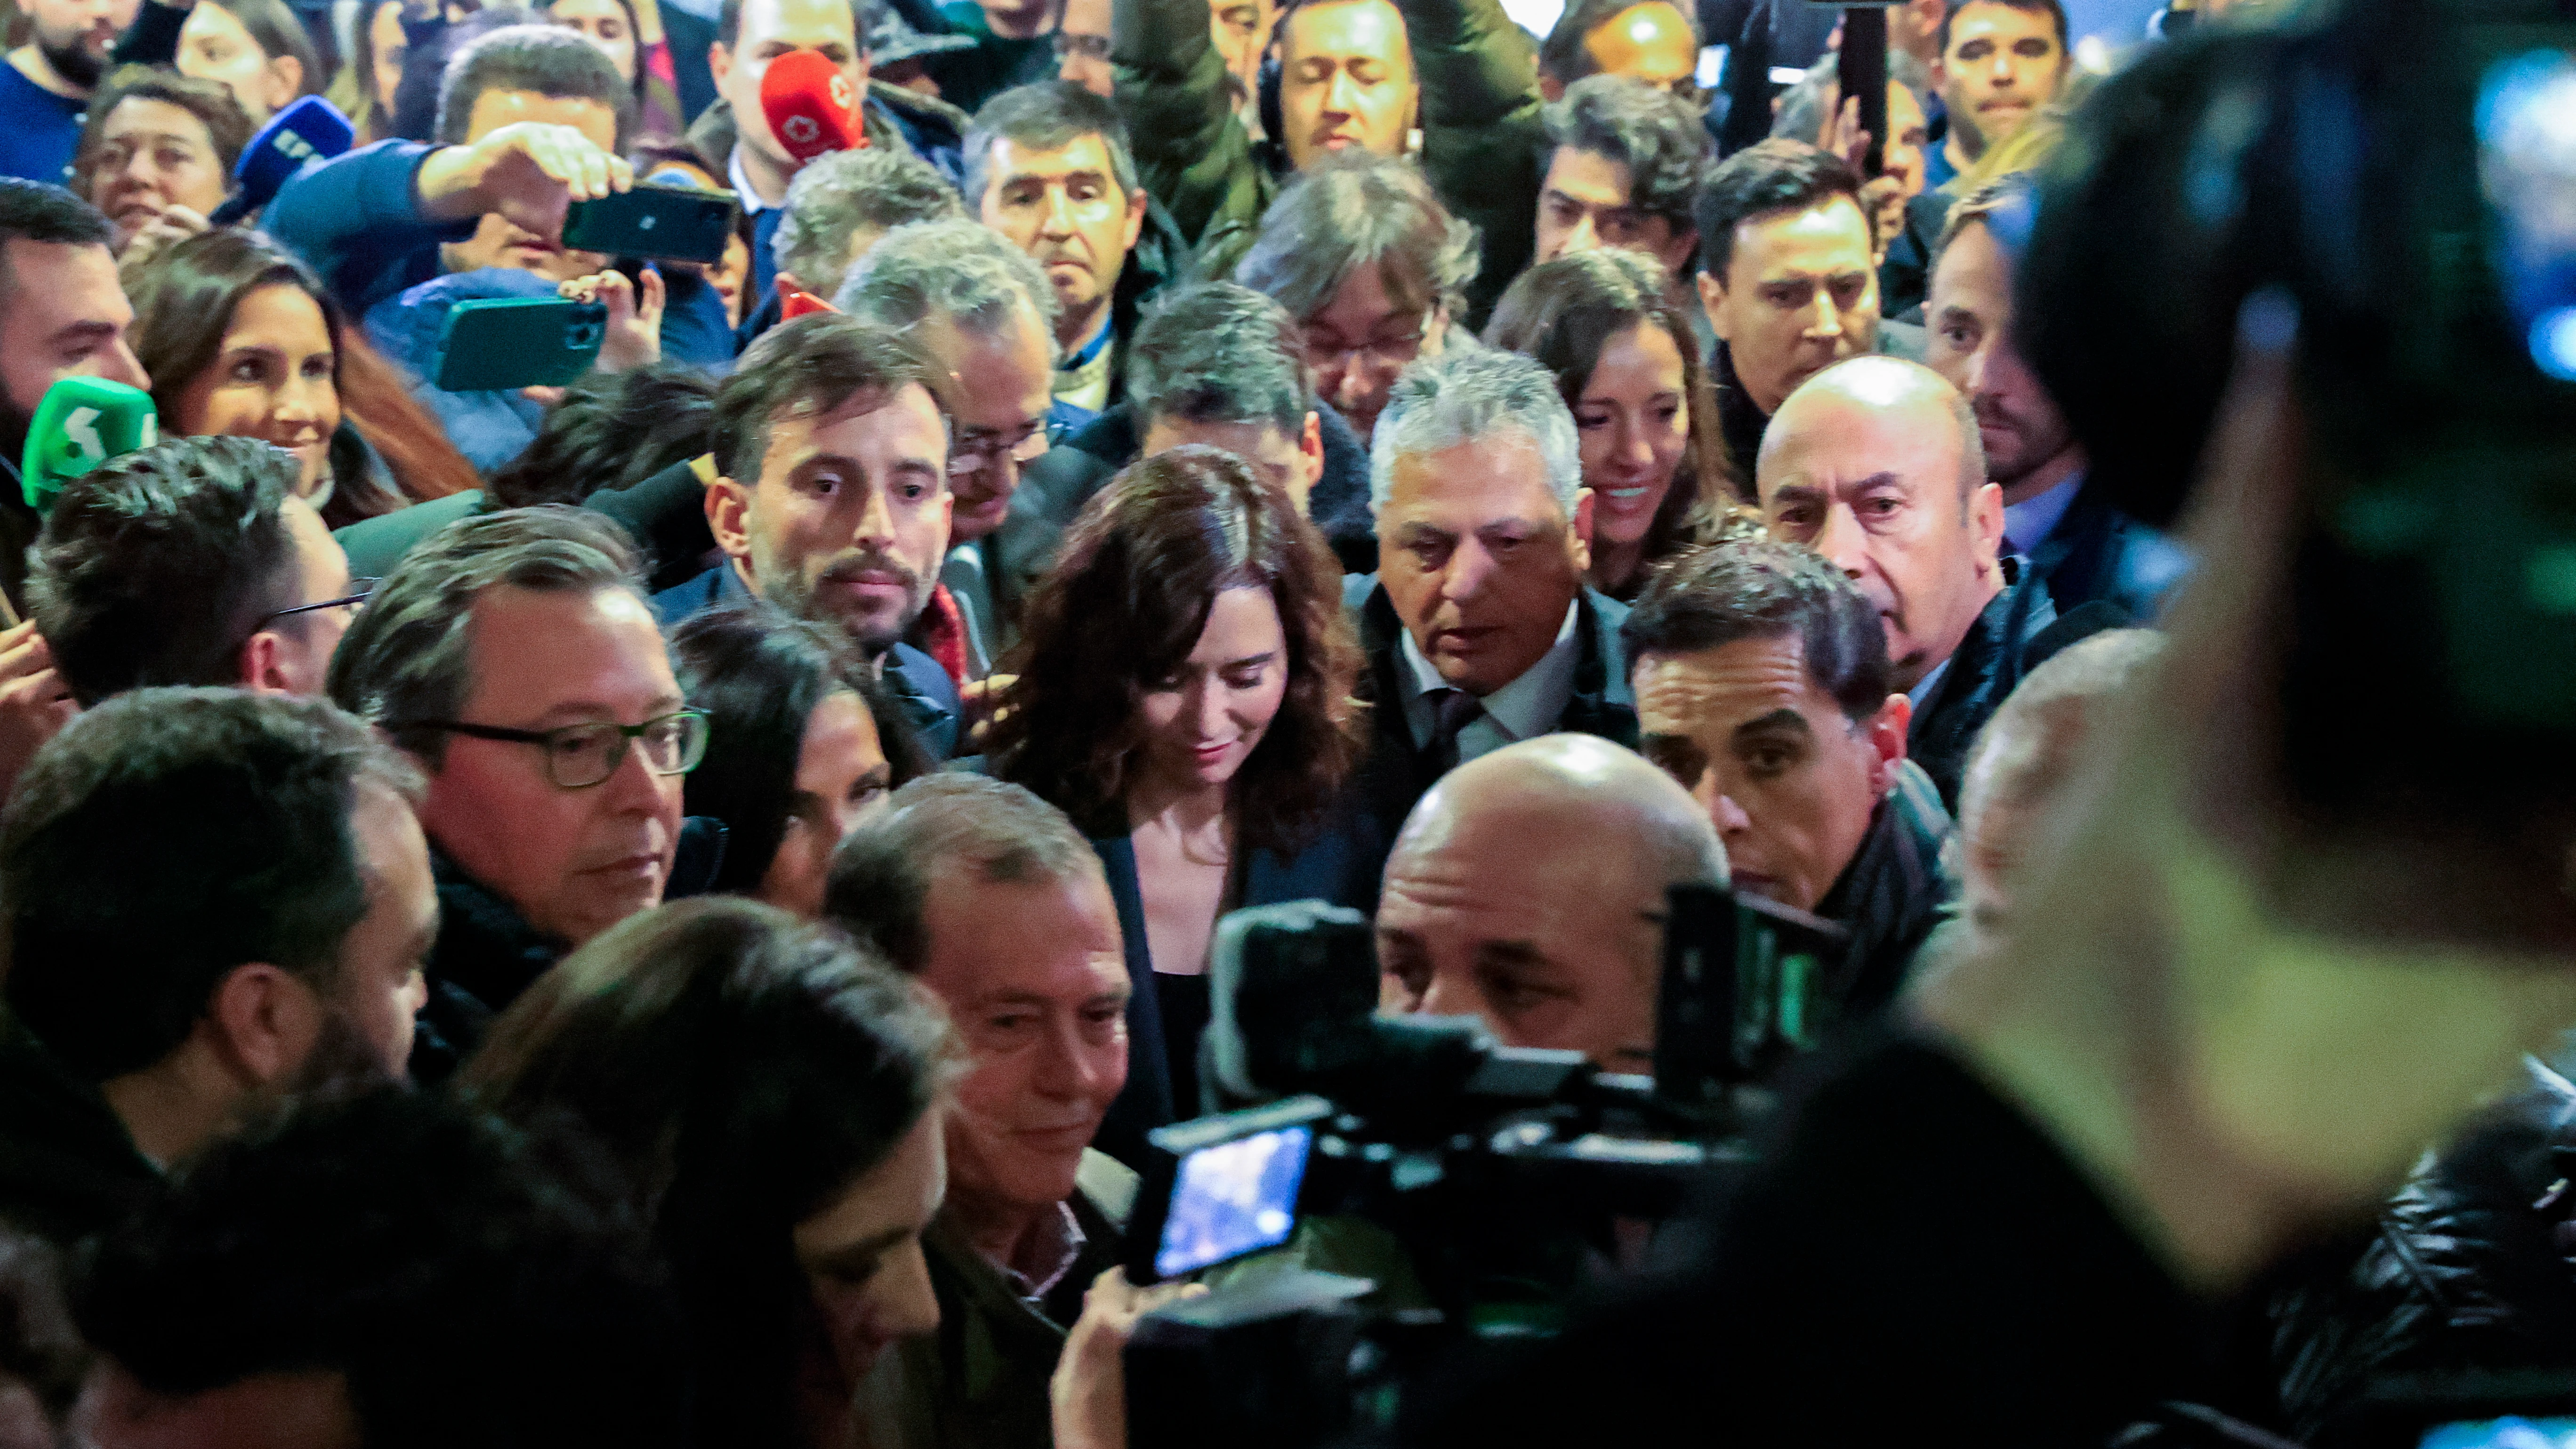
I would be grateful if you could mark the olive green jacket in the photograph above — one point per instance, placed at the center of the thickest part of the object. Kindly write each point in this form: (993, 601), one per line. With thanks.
(980, 1382)
(1483, 145)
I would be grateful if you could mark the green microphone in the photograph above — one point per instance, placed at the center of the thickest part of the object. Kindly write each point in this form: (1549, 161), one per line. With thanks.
(81, 423)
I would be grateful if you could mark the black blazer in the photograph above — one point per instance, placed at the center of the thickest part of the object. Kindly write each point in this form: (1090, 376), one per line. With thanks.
(1333, 867)
(1395, 772)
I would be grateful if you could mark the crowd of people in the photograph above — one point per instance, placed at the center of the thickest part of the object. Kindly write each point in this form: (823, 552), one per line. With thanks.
(664, 909)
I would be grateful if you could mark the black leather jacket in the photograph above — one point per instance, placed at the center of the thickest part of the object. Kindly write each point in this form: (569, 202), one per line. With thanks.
(2472, 1266)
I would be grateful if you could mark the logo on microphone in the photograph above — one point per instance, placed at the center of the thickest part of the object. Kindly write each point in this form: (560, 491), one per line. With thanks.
(295, 146)
(800, 131)
(841, 97)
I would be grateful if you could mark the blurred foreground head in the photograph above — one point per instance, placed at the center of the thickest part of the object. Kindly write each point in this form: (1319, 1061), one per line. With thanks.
(2314, 898)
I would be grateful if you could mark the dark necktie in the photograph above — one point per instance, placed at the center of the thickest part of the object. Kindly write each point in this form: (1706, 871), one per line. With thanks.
(1452, 710)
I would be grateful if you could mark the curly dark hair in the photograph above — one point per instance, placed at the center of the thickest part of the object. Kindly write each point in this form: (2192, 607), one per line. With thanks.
(1124, 607)
(1648, 129)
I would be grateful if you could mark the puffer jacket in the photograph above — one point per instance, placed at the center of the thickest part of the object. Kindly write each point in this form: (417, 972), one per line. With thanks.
(2472, 1267)
(1482, 138)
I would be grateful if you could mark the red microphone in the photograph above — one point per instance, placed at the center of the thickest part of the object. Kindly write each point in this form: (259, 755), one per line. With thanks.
(795, 302)
(811, 106)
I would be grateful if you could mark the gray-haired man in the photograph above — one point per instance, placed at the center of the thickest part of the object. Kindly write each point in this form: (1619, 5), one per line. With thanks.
(1478, 627)
(985, 315)
(1049, 166)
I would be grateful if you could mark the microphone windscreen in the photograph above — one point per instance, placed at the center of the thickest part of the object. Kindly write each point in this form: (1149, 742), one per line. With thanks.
(311, 130)
(811, 105)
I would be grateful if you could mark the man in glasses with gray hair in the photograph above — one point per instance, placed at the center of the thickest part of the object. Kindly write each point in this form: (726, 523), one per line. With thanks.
(514, 656)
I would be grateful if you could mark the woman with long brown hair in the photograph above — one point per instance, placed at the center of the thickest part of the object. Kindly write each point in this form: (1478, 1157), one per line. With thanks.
(1628, 368)
(241, 338)
(1182, 686)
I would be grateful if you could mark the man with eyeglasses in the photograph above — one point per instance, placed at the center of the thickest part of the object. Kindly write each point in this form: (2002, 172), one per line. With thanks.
(832, 500)
(514, 657)
(1082, 46)
(984, 315)
(190, 562)
(1373, 268)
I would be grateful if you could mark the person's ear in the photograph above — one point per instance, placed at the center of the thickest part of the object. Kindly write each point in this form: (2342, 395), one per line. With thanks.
(285, 82)
(1676, 254)
(719, 62)
(866, 59)
(1986, 516)
(1310, 454)
(263, 1021)
(1886, 735)
(1135, 217)
(263, 664)
(729, 517)
(1550, 89)
(1578, 539)
(1712, 301)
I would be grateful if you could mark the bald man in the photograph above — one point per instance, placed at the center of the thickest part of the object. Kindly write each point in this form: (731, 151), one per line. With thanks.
(1528, 889)
(1876, 464)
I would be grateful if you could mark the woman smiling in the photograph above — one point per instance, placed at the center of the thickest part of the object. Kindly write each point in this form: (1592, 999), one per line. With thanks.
(240, 339)
(1625, 362)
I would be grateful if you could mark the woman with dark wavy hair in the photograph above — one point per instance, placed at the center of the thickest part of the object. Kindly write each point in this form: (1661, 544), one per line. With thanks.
(1182, 687)
(769, 1089)
(1628, 368)
(241, 339)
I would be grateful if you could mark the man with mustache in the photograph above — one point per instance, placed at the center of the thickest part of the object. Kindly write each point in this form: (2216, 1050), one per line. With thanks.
(1875, 463)
(45, 87)
(2077, 543)
(996, 904)
(984, 316)
(213, 899)
(831, 499)
(1049, 167)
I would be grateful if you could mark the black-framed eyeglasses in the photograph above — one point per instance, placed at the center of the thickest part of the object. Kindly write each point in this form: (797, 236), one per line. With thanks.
(1090, 47)
(360, 590)
(582, 755)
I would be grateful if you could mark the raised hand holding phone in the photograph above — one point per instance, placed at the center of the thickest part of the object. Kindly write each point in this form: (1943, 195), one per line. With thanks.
(528, 172)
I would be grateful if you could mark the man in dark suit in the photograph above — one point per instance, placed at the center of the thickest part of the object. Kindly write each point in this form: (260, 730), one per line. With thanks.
(1478, 628)
(2082, 549)
(831, 499)
(1875, 463)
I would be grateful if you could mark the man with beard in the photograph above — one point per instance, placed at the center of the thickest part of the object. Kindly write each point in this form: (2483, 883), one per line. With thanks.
(212, 899)
(985, 316)
(832, 497)
(62, 314)
(47, 83)
(2081, 547)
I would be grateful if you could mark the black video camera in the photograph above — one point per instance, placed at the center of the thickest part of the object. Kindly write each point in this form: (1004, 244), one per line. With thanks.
(1499, 1170)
